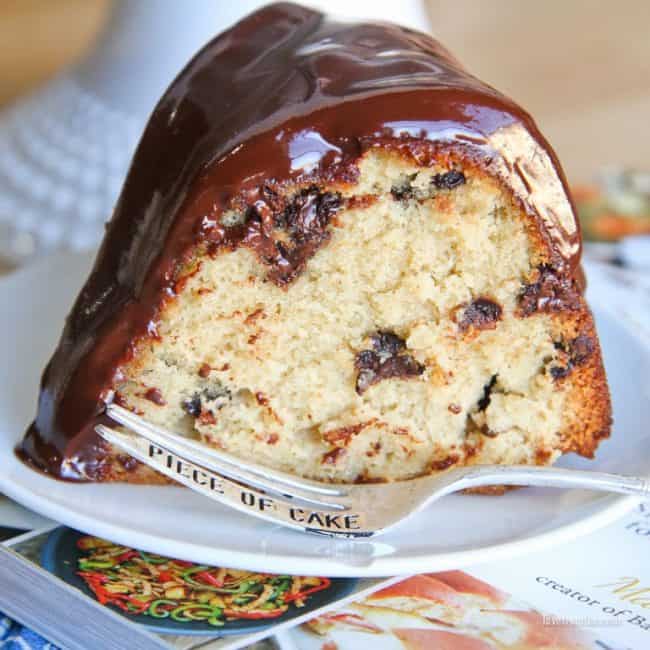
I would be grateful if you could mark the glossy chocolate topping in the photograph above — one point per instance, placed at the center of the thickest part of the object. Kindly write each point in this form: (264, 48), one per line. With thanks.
(286, 95)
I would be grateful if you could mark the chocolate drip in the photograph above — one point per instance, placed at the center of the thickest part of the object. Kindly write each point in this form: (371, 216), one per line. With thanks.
(286, 95)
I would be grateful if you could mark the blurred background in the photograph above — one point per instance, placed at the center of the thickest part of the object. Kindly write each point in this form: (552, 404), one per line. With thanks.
(78, 77)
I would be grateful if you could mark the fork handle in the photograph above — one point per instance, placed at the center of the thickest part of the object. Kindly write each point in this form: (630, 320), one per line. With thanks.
(483, 475)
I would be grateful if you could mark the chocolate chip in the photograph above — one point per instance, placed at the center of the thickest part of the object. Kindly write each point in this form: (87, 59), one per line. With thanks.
(449, 180)
(154, 395)
(328, 204)
(216, 396)
(386, 360)
(558, 372)
(578, 350)
(482, 313)
(366, 359)
(309, 213)
(192, 406)
(581, 348)
(402, 192)
(551, 292)
(304, 220)
(211, 398)
(403, 365)
(387, 343)
(365, 379)
(484, 402)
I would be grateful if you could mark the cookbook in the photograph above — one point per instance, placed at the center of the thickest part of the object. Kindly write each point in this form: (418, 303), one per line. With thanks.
(82, 591)
(589, 594)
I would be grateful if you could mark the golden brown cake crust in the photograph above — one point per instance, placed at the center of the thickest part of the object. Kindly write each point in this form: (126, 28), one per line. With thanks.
(589, 418)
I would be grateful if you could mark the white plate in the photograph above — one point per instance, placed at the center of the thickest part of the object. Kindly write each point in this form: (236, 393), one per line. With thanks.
(457, 531)
(13, 515)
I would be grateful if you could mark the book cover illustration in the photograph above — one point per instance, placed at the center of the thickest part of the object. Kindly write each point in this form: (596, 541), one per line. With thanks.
(164, 602)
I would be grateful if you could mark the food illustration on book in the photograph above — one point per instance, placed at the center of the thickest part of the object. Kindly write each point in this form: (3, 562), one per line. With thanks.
(161, 587)
(173, 596)
(576, 599)
(446, 610)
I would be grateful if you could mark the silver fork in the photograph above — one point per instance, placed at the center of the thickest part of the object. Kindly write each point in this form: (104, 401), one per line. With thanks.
(342, 510)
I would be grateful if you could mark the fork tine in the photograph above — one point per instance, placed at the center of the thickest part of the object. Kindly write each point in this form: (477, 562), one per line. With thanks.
(326, 521)
(222, 463)
(176, 448)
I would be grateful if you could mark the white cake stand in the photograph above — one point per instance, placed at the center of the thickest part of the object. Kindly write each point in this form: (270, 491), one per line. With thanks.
(64, 151)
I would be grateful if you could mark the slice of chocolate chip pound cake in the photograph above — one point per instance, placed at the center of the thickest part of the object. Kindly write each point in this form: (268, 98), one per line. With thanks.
(340, 254)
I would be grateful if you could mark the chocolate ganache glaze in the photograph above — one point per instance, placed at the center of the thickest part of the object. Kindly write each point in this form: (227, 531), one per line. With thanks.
(287, 95)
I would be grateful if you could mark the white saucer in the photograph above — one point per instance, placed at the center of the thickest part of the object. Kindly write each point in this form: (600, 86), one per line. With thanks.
(457, 531)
